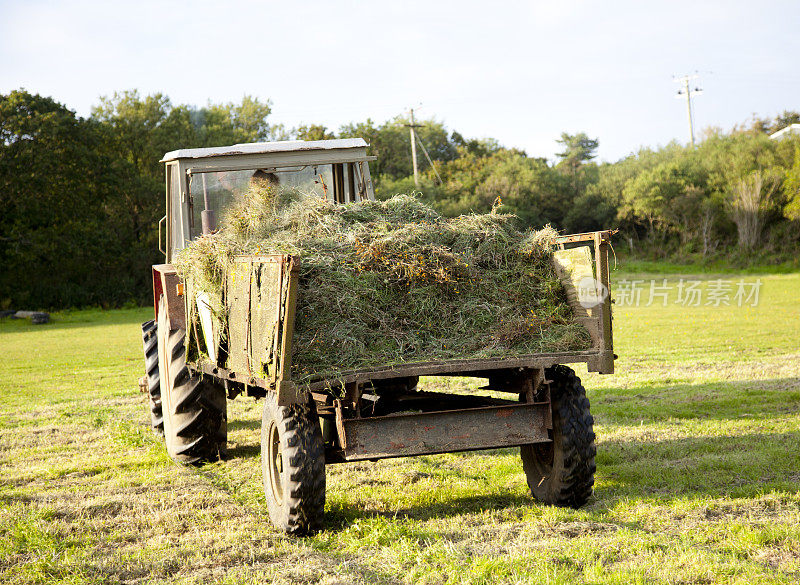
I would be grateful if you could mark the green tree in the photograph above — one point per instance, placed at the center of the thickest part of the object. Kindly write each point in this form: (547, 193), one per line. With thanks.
(313, 132)
(578, 150)
(231, 123)
(575, 164)
(58, 246)
(768, 125)
(139, 131)
(750, 204)
(475, 146)
(527, 187)
(666, 196)
(791, 189)
(143, 129)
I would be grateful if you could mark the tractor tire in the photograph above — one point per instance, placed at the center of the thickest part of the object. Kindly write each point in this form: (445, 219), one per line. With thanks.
(293, 466)
(152, 380)
(561, 473)
(194, 408)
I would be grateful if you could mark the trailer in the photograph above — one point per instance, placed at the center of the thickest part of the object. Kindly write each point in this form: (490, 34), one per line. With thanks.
(193, 368)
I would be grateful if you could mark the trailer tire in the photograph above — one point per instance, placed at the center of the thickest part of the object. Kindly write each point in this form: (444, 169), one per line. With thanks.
(194, 408)
(561, 473)
(152, 376)
(293, 466)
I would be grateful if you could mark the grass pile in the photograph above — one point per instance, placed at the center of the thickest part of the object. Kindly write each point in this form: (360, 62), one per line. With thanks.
(391, 282)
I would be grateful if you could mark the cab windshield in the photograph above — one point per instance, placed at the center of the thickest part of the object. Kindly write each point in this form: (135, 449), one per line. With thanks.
(218, 190)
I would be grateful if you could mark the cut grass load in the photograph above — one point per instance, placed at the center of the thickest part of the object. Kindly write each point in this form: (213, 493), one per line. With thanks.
(383, 283)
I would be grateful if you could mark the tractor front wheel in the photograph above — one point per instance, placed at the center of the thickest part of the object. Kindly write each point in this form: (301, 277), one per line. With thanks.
(152, 380)
(194, 407)
(293, 466)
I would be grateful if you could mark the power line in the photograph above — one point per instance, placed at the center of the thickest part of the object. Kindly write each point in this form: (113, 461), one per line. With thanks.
(425, 150)
(687, 91)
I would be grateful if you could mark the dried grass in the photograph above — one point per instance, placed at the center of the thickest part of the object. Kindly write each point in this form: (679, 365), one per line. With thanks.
(389, 282)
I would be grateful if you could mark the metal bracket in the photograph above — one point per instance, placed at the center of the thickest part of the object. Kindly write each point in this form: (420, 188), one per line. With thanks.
(161, 221)
(337, 406)
(352, 392)
(287, 393)
(533, 383)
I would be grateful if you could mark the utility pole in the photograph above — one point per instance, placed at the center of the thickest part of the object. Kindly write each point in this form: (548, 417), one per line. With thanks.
(685, 90)
(412, 130)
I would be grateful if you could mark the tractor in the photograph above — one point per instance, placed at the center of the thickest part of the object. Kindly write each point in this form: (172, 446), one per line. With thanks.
(194, 365)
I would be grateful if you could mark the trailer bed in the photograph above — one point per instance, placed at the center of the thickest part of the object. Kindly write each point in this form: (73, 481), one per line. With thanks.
(261, 352)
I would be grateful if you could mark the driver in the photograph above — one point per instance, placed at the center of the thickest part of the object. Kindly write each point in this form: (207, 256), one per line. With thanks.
(263, 178)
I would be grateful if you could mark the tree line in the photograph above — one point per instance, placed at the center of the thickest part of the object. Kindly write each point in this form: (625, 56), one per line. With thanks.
(80, 198)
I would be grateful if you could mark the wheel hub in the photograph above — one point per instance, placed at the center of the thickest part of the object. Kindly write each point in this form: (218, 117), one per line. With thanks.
(276, 462)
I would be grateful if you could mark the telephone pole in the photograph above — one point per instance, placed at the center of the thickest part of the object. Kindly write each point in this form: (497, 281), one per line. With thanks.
(685, 90)
(412, 128)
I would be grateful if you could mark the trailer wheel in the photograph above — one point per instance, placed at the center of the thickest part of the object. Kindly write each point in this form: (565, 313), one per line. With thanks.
(561, 473)
(152, 380)
(194, 408)
(293, 466)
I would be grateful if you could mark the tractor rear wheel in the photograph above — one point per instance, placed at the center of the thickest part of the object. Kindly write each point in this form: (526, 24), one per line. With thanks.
(152, 379)
(194, 408)
(293, 466)
(561, 473)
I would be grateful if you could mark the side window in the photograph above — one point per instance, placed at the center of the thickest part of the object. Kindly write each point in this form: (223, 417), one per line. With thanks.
(338, 184)
(176, 230)
(316, 179)
(349, 185)
(360, 184)
(216, 192)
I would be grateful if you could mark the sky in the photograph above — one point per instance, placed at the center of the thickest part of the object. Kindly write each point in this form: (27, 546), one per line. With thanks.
(520, 72)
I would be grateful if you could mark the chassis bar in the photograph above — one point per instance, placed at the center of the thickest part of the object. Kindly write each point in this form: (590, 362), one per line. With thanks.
(401, 435)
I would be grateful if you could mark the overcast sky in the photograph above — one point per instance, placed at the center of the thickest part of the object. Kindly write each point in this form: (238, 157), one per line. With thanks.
(521, 72)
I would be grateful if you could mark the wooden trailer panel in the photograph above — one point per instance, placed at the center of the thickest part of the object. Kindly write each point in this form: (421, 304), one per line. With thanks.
(261, 294)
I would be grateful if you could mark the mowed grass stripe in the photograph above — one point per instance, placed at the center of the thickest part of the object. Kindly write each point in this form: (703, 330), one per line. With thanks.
(698, 472)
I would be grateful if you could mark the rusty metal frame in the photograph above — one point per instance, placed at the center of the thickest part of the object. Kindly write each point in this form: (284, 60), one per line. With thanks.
(166, 282)
(604, 235)
(225, 374)
(606, 343)
(426, 433)
(597, 320)
(288, 392)
(473, 368)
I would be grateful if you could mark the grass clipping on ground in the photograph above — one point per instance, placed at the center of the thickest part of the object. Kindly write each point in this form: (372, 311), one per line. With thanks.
(391, 282)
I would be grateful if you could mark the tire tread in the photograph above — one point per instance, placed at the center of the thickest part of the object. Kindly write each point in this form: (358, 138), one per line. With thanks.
(573, 486)
(303, 451)
(197, 430)
(150, 346)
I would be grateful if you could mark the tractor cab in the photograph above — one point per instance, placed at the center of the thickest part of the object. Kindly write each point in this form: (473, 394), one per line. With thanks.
(203, 182)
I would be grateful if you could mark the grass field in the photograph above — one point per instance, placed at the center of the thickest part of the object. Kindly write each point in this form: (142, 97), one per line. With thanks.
(698, 471)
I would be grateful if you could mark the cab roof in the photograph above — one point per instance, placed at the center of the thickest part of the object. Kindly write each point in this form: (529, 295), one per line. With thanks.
(265, 148)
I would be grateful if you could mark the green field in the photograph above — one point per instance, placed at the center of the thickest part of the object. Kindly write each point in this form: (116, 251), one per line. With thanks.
(698, 470)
